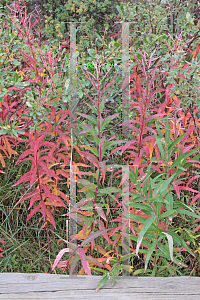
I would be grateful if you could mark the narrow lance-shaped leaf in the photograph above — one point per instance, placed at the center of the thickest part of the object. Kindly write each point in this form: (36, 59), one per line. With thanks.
(101, 283)
(90, 157)
(74, 264)
(84, 261)
(59, 256)
(150, 251)
(100, 212)
(144, 229)
(174, 143)
(170, 242)
(93, 236)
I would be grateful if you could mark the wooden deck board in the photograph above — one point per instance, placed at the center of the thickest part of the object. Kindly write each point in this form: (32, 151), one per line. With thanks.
(52, 286)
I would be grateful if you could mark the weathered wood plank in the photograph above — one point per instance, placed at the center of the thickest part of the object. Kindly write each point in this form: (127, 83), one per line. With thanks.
(52, 286)
(95, 296)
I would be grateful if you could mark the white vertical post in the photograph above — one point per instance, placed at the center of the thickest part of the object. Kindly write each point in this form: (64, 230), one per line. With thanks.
(125, 73)
(72, 103)
(125, 221)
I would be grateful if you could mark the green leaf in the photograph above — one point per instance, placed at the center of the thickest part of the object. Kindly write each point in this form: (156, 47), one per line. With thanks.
(80, 93)
(3, 131)
(107, 120)
(16, 77)
(108, 146)
(186, 212)
(29, 104)
(91, 52)
(179, 263)
(14, 132)
(101, 283)
(55, 78)
(106, 26)
(88, 117)
(174, 143)
(159, 132)
(170, 242)
(67, 82)
(138, 55)
(89, 187)
(116, 44)
(109, 190)
(141, 271)
(144, 229)
(180, 241)
(170, 199)
(126, 256)
(191, 152)
(144, 242)
(20, 131)
(183, 205)
(98, 36)
(16, 63)
(101, 107)
(135, 217)
(115, 273)
(149, 253)
(94, 133)
(164, 251)
(93, 150)
(161, 148)
(164, 184)
(168, 213)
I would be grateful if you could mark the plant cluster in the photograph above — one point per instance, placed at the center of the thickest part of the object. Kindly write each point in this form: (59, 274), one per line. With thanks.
(156, 202)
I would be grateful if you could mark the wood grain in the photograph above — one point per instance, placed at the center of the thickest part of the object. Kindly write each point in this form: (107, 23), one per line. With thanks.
(52, 286)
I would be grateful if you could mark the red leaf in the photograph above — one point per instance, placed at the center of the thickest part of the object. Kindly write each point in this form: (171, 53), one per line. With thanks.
(59, 200)
(47, 192)
(66, 198)
(36, 145)
(95, 261)
(33, 211)
(185, 188)
(25, 177)
(51, 219)
(176, 187)
(33, 177)
(84, 261)
(193, 178)
(33, 199)
(90, 157)
(195, 199)
(27, 196)
(23, 155)
(64, 173)
(43, 208)
(59, 256)
(197, 228)
(44, 167)
(74, 264)
(154, 116)
(100, 212)
(93, 236)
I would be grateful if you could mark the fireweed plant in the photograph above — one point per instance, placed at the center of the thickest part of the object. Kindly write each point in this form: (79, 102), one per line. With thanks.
(162, 153)
(30, 108)
(95, 190)
(156, 181)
